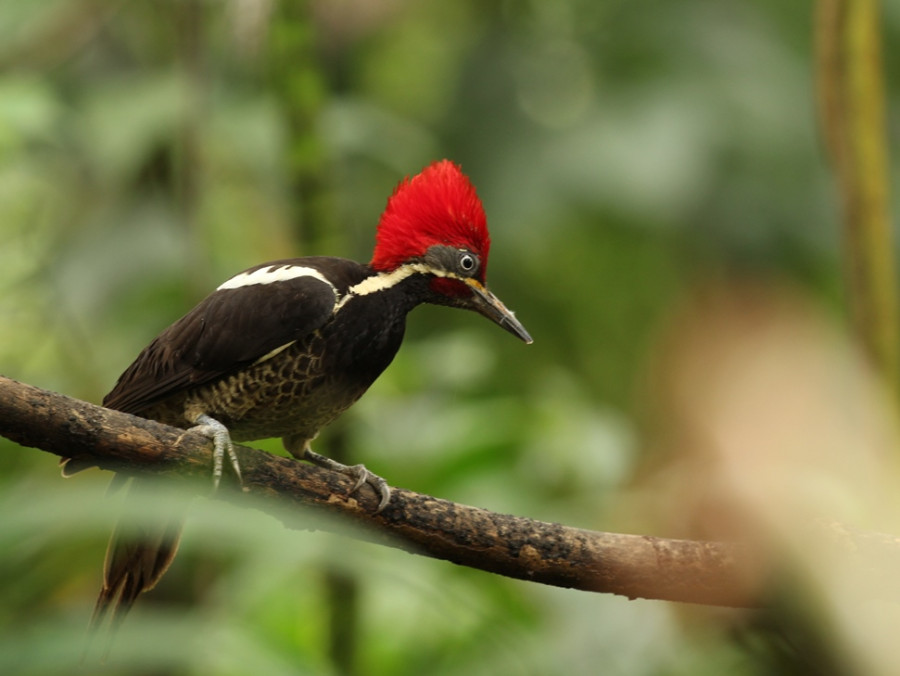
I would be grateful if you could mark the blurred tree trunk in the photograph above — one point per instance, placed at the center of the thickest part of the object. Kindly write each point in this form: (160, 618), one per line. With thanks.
(298, 79)
(852, 109)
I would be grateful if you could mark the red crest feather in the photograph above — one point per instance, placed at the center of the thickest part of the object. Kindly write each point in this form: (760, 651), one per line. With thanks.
(438, 206)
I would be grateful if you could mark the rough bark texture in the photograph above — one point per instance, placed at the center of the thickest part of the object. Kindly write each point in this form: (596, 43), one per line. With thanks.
(635, 566)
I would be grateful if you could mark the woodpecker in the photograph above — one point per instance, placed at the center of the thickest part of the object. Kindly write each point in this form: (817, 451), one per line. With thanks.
(283, 348)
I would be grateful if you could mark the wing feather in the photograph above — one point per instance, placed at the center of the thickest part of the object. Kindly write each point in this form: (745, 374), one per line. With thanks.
(230, 328)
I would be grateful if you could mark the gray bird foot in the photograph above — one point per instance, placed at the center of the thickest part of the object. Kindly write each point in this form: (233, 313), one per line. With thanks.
(222, 446)
(357, 472)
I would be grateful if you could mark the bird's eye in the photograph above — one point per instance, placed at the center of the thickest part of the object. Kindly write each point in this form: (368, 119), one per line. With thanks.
(467, 262)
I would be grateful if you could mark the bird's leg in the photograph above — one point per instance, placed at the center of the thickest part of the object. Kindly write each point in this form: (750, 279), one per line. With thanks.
(359, 473)
(222, 445)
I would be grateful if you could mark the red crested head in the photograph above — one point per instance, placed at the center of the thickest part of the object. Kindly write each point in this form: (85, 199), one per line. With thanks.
(436, 207)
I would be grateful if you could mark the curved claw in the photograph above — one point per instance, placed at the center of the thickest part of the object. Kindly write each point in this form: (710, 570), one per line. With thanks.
(222, 446)
(358, 472)
(364, 476)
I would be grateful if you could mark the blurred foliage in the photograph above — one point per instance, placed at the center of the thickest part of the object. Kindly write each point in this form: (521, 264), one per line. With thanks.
(625, 152)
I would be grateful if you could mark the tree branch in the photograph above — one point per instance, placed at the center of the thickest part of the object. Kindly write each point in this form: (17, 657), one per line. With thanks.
(630, 565)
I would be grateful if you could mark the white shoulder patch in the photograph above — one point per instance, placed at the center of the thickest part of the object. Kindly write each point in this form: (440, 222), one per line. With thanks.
(277, 350)
(271, 274)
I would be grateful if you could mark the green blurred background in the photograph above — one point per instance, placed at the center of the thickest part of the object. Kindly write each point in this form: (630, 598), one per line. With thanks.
(624, 153)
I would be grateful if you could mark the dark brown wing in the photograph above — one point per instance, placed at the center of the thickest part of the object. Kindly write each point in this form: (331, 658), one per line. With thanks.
(230, 328)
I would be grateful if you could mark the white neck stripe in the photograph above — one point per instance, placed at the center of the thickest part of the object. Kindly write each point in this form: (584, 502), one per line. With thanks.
(269, 275)
(387, 280)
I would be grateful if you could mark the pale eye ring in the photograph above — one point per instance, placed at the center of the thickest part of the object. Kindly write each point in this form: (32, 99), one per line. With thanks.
(468, 263)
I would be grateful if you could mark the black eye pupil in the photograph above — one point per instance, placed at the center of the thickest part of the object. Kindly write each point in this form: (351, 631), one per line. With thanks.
(466, 262)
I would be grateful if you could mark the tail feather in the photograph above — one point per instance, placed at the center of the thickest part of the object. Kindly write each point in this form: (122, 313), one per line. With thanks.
(134, 564)
(136, 558)
(69, 467)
